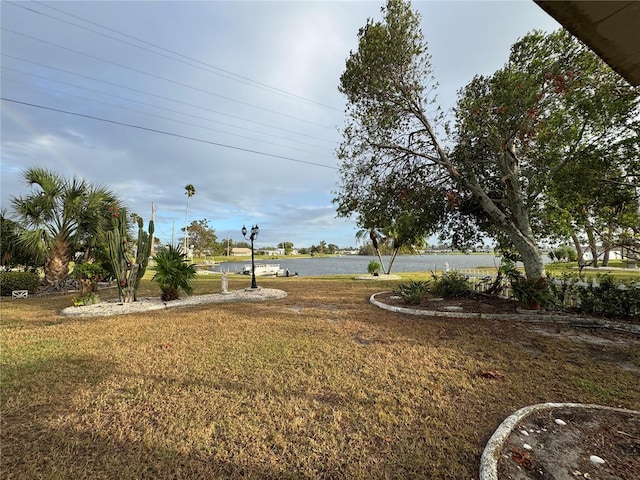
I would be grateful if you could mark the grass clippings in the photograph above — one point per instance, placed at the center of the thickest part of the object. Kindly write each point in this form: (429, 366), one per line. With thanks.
(320, 384)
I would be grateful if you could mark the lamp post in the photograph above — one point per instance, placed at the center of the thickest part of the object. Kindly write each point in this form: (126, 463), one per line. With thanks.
(254, 234)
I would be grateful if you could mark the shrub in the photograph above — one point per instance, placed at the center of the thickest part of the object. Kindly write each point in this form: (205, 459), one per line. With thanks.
(562, 290)
(173, 273)
(10, 281)
(610, 298)
(413, 292)
(374, 267)
(563, 254)
(450, 284)
(88, 274)
(87, 299)
(530, 292)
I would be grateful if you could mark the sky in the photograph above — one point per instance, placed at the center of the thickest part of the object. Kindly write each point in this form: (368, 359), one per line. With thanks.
(238, 98)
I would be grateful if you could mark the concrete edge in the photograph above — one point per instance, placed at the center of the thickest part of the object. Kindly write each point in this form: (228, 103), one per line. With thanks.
(489, 459)
(533, 318)
(264, 294)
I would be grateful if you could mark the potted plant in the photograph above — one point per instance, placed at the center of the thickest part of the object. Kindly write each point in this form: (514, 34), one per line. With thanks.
(374, 268)
(530, 292)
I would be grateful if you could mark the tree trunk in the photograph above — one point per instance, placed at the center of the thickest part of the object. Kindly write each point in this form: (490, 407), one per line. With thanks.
(578, 247)
(56, 267)
(606, 245)
(530, 253)
(518, 226)
(393, 258)
(518, 231)
(592, 244)
(380, 258)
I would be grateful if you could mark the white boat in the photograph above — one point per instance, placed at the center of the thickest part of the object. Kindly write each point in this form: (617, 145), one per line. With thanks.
(207, 267)
(264, 269)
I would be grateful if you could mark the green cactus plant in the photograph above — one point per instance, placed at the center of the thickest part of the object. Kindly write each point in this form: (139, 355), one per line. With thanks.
(129, 269)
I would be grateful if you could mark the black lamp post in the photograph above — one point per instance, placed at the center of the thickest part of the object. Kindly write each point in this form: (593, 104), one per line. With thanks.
(254, 234)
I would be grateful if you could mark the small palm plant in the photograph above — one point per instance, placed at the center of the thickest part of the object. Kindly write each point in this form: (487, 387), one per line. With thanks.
(374, 268)
(173, 272)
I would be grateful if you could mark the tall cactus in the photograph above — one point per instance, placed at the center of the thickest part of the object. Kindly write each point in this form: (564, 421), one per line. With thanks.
(129, 269)
(145, 240)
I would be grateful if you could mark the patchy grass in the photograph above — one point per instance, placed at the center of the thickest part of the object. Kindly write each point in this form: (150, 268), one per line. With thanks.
(320, 384)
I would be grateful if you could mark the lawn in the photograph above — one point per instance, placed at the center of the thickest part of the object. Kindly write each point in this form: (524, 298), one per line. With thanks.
(320, 384)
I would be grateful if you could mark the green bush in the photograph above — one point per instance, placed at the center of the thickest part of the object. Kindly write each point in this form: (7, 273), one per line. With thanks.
(530, 292)
(10, 281)
(87, 299)
(450, 284)
(374, 267)
(413, 292)
(89, 271)
(173, 273)
(88, 274)
(562, 291)
(563, 254)
(610, 298)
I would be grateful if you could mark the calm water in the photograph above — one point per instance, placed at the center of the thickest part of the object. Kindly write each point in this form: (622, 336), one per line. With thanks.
(357, 264)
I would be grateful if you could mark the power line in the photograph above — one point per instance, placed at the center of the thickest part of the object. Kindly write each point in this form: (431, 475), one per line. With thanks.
(169, 119)
(130, 100)
(234, 76)
(171, 134)
(143, 92)
(168, 80)
(199, 64)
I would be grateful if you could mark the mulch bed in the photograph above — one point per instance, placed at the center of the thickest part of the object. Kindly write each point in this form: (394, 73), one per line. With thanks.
(564, 451)
(474, 302)
(470, 302)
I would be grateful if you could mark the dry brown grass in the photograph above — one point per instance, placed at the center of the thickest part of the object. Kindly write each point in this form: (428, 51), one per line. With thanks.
(320, 384)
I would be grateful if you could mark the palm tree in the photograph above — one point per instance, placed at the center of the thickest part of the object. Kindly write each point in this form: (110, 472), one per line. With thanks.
(190, 191)
(374, 235)
(61, 218)
(173, 272)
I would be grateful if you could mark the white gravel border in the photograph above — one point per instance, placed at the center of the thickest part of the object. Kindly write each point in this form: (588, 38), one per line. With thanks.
(155, 303)
(491, 453)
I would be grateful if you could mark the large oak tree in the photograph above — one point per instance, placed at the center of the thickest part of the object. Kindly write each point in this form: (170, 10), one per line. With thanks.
(514, 131)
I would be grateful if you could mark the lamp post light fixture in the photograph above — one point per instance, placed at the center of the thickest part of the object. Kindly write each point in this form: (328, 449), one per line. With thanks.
(254, 234)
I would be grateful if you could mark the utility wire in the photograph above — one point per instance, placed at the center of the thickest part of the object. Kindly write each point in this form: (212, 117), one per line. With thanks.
(199, 64)
(171, 134)
(130, 100)
(168, 80)
(166, 118)
(237, 117)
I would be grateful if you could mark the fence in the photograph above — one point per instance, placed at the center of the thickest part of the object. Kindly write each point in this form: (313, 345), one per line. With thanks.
(482, 279)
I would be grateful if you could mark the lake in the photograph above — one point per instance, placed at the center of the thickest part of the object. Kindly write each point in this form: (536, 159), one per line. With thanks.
(357, 264)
